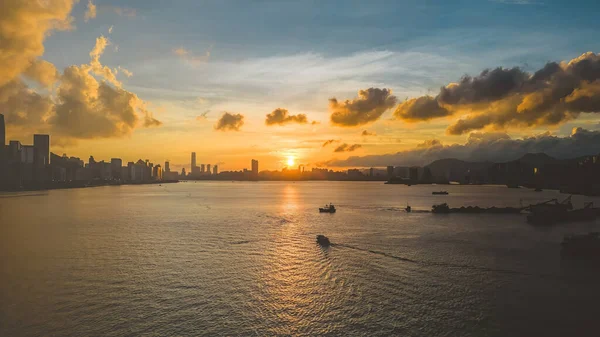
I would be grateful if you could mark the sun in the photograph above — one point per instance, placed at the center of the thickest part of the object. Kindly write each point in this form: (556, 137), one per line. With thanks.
(290, 161)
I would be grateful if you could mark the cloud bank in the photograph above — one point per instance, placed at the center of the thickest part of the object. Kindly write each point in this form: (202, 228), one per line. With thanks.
(496, 147)
(366, 108)
(281, 116)
(502, 98)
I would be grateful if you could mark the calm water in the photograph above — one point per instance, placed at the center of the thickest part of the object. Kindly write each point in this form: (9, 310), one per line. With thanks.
(223, 258)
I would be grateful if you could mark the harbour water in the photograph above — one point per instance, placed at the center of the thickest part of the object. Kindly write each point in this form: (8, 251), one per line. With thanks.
(240, 258)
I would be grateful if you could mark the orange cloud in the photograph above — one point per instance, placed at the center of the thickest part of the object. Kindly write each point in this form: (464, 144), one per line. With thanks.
(230, 122)
(366, 108)
(281, 117)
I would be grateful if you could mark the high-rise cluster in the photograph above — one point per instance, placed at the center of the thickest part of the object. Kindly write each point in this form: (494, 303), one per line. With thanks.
(203, 170)
(34, 166)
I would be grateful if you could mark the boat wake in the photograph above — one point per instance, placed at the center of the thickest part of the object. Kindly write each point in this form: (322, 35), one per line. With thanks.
(446, 264)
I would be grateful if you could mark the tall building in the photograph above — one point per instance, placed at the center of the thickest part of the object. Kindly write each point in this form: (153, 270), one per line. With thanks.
(208, 168)
(202, 168)
(193, 161)
(157, 173)
(41, 143)
(2, 133)
(167, 166)
(216, 169)
(115, 167)
(3, 152)
(255, 167)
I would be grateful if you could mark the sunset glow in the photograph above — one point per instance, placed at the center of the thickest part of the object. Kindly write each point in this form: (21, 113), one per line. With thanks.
(340, 100)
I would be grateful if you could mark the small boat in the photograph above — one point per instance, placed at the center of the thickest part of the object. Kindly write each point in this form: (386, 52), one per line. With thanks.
(408, 209)
(327, 209)
(440, 193)
(538, 190)
(323, 240)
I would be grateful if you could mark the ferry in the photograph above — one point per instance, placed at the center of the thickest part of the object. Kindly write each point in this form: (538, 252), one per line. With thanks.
(327, 209)
(440, 193)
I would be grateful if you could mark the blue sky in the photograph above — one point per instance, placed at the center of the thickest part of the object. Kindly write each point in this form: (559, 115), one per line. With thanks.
(430, 42)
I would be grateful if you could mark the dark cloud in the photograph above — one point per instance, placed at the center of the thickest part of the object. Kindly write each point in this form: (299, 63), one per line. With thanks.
(367, 107)
(420, 109)
(330, 141)
(347, 148)
(281, 116)
(490, 85)
(503, 98)
(496, 147)
(230, 122)
(367, 133)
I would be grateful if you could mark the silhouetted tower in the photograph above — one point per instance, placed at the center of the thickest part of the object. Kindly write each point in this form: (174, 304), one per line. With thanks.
(193, 161)
(2, 132)
(216, 169)
(254, 167)
(41, 143)
(208, 168)
(167, 167)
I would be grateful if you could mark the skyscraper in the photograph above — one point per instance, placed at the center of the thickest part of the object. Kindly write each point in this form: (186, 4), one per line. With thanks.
(208, 168)
(2, 133)
(193, 161)
(167, 167)
(41, 143)
(202, 168)
(216, 169)
(254, 167)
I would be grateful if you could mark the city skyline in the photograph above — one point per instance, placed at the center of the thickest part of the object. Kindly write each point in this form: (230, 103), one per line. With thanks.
(316, 102)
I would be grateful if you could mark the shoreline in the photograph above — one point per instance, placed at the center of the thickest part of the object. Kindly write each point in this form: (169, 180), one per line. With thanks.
(75, 185)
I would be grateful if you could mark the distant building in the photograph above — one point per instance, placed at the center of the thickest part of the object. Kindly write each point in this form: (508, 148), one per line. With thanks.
(371, 172)
(255, 167)
(193, 161)
(167, 167)
(131, 171)
(207, 168)
(355, 173)
(157, 173)
(2, 132)
(216, 169)
(115, 166)
(413, 173)
(3, 152)
(202, 168)
(42, 145)
(27, 154)
(183, 174)
(390, 171)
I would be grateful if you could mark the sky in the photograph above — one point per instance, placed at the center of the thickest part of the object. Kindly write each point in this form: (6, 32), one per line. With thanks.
(317, 83)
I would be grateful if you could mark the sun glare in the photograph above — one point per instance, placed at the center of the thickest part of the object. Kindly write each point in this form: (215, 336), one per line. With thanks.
(290, 161)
